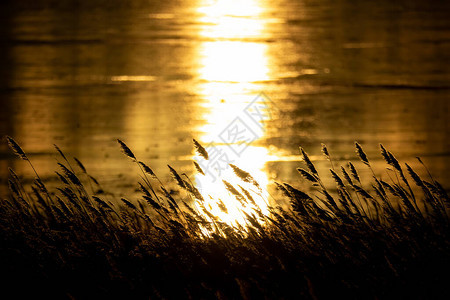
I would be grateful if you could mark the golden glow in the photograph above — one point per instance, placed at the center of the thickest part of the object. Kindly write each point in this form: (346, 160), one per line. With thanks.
(214, 191)
(231, 52)
(133, 78)
(232, 64)
(231, 19)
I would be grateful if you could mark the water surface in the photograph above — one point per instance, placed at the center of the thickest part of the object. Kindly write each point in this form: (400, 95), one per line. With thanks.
(157, 74)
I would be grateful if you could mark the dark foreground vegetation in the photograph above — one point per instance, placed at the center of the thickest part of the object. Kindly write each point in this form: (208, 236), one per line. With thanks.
(359, 240)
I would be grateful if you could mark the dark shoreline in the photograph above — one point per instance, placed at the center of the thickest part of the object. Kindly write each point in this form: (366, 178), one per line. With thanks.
(78, 245)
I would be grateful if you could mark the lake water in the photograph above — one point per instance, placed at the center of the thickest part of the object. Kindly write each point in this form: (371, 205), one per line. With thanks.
(157, 74)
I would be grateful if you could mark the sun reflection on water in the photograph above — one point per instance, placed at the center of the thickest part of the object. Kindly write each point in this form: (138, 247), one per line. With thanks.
(232, 62)
(231, 19)
(216, 194)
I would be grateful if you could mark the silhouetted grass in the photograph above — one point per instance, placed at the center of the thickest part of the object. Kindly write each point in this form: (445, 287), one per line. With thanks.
(387, 241)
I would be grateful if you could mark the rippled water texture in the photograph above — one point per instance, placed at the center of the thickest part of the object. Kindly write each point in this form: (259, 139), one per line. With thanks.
(158, 73)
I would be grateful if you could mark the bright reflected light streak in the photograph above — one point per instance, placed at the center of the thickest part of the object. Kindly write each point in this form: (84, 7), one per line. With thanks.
(133, 78)
(216, 194)
(233, 61)
(232, 19)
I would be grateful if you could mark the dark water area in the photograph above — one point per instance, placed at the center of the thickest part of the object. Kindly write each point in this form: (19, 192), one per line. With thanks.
(159, 73)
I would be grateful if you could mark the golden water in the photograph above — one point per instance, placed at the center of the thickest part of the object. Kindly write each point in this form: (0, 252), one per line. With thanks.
(158, 75)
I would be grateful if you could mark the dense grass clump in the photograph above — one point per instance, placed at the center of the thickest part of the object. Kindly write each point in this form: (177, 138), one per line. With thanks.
(387, 241)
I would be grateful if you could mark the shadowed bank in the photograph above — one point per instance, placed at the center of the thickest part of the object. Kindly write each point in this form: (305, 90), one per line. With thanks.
(362, 240)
